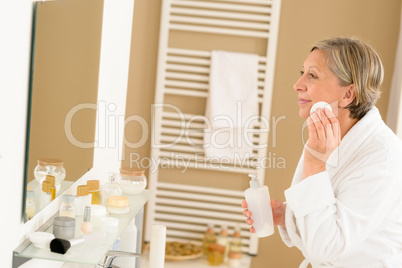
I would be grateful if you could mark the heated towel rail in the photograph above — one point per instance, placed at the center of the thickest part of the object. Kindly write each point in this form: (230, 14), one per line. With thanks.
(183, 72)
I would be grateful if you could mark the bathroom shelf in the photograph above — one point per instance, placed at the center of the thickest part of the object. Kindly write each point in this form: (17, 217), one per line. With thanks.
(91, 252)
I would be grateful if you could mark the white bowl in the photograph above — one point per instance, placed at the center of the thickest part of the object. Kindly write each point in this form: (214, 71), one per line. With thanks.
(41, 239)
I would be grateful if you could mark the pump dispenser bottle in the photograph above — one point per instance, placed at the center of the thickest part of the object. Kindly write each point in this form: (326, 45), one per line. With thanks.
(209, 238)
(259, 204)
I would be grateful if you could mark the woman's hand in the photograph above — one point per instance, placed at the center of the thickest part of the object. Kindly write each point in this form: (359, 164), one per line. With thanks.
(278, 213)
(324, 138)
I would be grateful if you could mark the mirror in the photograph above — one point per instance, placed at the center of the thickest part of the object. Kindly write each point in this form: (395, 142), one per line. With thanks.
(63, 94)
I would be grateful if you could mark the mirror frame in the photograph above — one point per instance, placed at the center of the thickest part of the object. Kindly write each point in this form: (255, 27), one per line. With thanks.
(112, 89)
(28, 124)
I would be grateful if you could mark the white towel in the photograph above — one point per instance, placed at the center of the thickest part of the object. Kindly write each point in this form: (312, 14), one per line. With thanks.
(233, 99)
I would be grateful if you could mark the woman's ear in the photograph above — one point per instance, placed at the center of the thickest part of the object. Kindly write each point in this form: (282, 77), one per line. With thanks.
(349, 96)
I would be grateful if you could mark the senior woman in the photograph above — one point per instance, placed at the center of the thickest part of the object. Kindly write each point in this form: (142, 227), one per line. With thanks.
(344, 207)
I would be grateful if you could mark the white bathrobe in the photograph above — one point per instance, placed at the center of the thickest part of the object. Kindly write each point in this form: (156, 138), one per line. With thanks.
(350, 215)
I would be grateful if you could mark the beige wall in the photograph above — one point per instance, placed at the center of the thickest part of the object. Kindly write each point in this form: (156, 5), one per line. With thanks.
(301, 24)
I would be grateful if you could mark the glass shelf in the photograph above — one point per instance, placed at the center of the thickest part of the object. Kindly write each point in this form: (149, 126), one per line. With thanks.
(90, 252)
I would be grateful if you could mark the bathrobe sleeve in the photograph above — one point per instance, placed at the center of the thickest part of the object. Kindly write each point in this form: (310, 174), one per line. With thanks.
(326, 221)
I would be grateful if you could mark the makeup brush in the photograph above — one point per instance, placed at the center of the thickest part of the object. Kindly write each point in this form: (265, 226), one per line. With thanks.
(61, 246)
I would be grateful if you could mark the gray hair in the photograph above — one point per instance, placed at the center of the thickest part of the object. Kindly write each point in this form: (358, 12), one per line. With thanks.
(355, 62)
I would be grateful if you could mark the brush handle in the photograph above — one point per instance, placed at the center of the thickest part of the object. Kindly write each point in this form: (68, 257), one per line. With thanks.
(87, 238)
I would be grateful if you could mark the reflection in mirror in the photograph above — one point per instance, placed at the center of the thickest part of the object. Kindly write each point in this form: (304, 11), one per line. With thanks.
(65, 70)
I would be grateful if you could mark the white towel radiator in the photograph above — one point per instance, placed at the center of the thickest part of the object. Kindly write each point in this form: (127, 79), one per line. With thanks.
(183, 72)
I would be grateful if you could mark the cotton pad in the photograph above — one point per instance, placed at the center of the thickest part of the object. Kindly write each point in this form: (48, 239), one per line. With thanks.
(320, 104)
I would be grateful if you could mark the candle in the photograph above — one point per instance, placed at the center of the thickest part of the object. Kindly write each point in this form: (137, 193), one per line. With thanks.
(157, 246)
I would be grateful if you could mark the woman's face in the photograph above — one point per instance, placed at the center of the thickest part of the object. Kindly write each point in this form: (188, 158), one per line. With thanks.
(317, 83)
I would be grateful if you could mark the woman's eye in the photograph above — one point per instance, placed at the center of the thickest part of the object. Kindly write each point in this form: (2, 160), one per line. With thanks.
(312, 75)
(301, 73)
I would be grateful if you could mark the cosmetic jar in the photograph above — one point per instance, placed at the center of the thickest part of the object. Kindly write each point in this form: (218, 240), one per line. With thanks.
(97, 213)
(132, 181)
(52, 167)
(41, 239)
(117, 204)
(109, 225)
(64, 227)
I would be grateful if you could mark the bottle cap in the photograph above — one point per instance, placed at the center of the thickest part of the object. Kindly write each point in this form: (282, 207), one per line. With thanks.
(46, 186)
(254, 183)
(50, 162)
(87, 214)
(30, 194)
(93, 185)
(82, 190)
(67, 198)
(224, 230)
(51, 179)
(237, 231)
(210, 228)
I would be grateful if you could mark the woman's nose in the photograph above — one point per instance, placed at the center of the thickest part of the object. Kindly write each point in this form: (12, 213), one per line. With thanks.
(299, 85)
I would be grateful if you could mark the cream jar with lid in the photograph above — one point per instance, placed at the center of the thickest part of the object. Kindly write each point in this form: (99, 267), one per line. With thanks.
(117, 204)
(50, 166)
(132, 181)
(64, 227)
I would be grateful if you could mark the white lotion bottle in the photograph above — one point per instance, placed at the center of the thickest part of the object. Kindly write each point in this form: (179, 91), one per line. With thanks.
(259, 204)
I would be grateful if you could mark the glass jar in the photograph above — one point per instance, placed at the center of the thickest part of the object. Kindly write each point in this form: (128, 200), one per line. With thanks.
(132, 181)
(67, 208)
(52, 167)
(110, 188)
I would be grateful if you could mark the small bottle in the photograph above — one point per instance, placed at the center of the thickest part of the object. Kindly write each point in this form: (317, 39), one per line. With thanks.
(86, 226)
(45, 196)
(110, 188)
(82, 199)
(235, 249)
(209, 238)
(67, 208)
(52, 193)
(52, 180)
(30, 205)
(95, 192)
(223, 240)
(259, 204)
